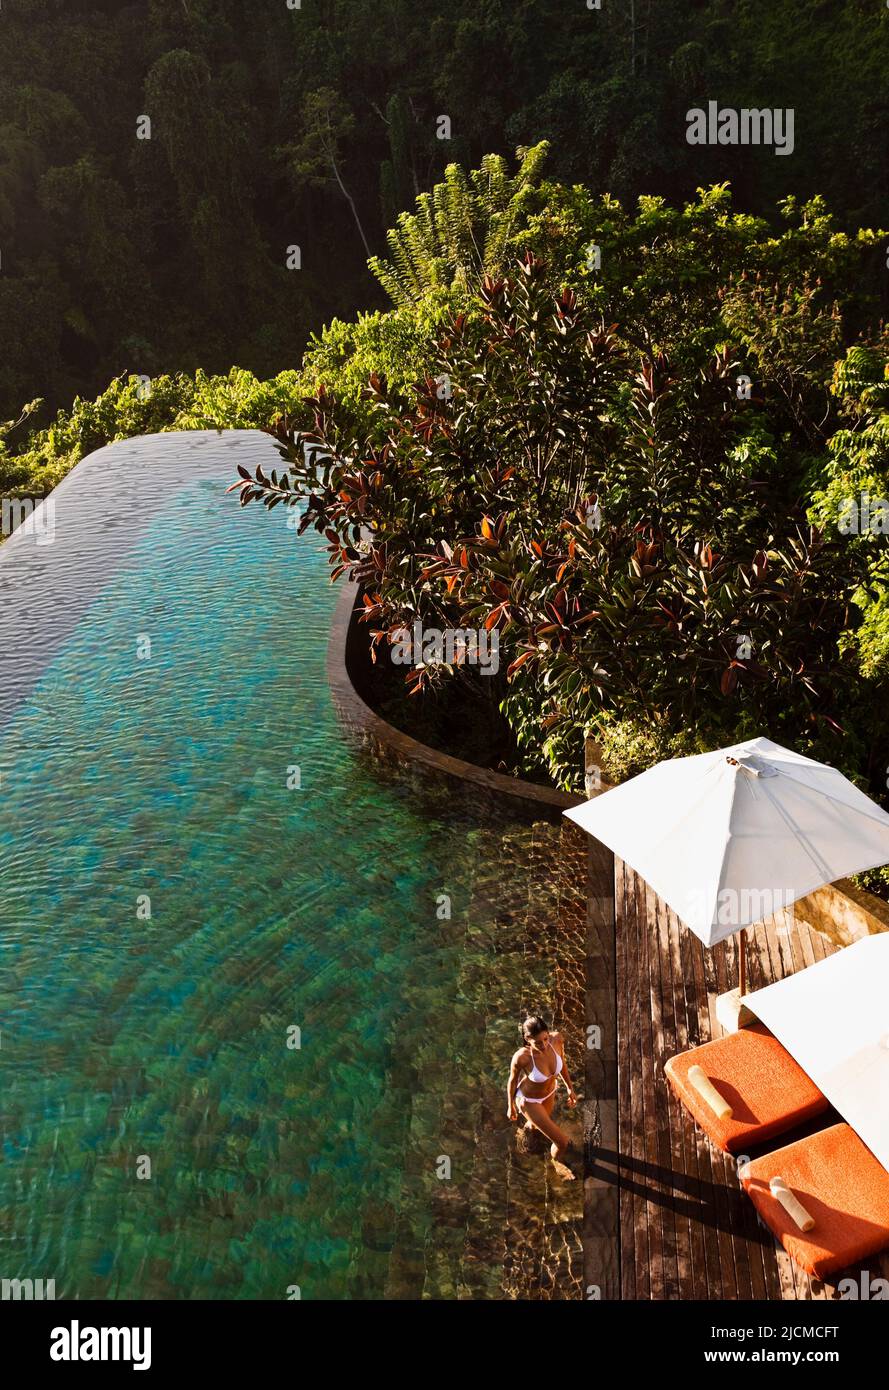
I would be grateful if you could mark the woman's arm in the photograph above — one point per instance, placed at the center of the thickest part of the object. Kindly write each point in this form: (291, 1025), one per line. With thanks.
(512, 1083)
(569, 1085)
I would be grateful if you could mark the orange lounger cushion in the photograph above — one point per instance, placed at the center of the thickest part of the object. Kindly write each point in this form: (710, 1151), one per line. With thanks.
(767, 1091)
(843, 1188)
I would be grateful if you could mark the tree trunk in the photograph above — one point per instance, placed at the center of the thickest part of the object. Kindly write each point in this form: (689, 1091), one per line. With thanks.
(346, 194)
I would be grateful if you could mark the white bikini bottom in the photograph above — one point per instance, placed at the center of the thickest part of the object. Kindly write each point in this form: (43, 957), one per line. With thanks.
(521, 1099)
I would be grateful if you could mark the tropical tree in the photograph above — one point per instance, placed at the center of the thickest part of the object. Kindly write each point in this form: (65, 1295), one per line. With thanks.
(316, 157)
(633, 532)
(853, 496)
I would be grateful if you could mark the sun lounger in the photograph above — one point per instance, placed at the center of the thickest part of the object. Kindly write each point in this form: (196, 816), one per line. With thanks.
(839, 1185)
(756, 1079)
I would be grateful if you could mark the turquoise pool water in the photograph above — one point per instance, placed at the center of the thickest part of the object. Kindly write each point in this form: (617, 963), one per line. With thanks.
(173, 906)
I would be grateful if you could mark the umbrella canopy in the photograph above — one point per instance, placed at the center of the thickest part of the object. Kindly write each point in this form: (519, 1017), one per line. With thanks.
(730, 837)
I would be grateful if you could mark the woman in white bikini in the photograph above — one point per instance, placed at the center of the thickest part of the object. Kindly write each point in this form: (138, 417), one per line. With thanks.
(539, 1064)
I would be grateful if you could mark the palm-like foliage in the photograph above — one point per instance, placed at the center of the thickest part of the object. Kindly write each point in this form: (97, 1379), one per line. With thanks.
(461, 230)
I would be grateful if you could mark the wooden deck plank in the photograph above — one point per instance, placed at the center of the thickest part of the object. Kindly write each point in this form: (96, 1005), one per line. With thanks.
(715, 972)
(682, 1226)
(645, 1238)
(706, 1262)
(653, 1211)
(699, 1031)
(662, 1035)
(625, 975)
(601, 1242)
(691, 1235)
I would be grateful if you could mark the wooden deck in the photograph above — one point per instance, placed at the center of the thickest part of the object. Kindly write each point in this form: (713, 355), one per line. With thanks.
(666, 1217)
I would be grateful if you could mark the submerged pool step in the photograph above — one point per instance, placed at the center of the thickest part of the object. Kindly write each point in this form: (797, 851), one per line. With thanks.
(446, 1123)
(544, 1255)
(522, 1228)
(513, 983)
(499, 1225)
(440, 1126)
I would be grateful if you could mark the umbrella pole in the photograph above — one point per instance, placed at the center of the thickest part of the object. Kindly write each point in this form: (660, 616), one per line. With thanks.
(742, 964)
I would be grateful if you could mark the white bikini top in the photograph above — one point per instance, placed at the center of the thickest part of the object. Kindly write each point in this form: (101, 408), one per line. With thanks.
(535, 1075)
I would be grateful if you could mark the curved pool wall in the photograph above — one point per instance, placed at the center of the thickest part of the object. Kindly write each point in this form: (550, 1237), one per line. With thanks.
(257, 991)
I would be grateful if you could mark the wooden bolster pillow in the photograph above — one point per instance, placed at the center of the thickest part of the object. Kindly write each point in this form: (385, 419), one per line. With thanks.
(795, 1209)
(708, 1093)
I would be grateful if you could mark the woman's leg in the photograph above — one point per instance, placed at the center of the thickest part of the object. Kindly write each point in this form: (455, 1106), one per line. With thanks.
(540, 1116)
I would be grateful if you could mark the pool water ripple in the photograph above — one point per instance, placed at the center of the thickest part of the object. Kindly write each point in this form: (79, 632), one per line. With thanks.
(133, 1036)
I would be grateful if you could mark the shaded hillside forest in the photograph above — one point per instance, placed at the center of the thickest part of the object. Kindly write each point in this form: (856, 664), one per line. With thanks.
(274, 126)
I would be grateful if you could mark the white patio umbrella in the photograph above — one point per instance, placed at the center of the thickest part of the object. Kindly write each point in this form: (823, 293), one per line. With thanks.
(730, 837)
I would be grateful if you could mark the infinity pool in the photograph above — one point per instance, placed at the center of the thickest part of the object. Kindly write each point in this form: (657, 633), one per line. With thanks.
(237, 1039)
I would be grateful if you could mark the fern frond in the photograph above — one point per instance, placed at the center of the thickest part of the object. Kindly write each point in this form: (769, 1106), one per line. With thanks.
(461, 229)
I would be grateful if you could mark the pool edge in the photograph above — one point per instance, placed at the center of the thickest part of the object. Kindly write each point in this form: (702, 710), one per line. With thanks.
(358, 716)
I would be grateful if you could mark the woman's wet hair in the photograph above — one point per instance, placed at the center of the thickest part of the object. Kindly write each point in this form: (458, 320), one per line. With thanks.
(533, 1026)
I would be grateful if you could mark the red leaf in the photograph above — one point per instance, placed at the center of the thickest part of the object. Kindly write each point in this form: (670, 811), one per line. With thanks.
(729, 680)
(519, 661)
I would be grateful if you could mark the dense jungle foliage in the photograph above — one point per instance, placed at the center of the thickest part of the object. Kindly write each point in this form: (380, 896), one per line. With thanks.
(314, 123)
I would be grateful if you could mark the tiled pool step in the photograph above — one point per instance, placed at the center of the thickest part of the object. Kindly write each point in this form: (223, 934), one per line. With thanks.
(503, 1225)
